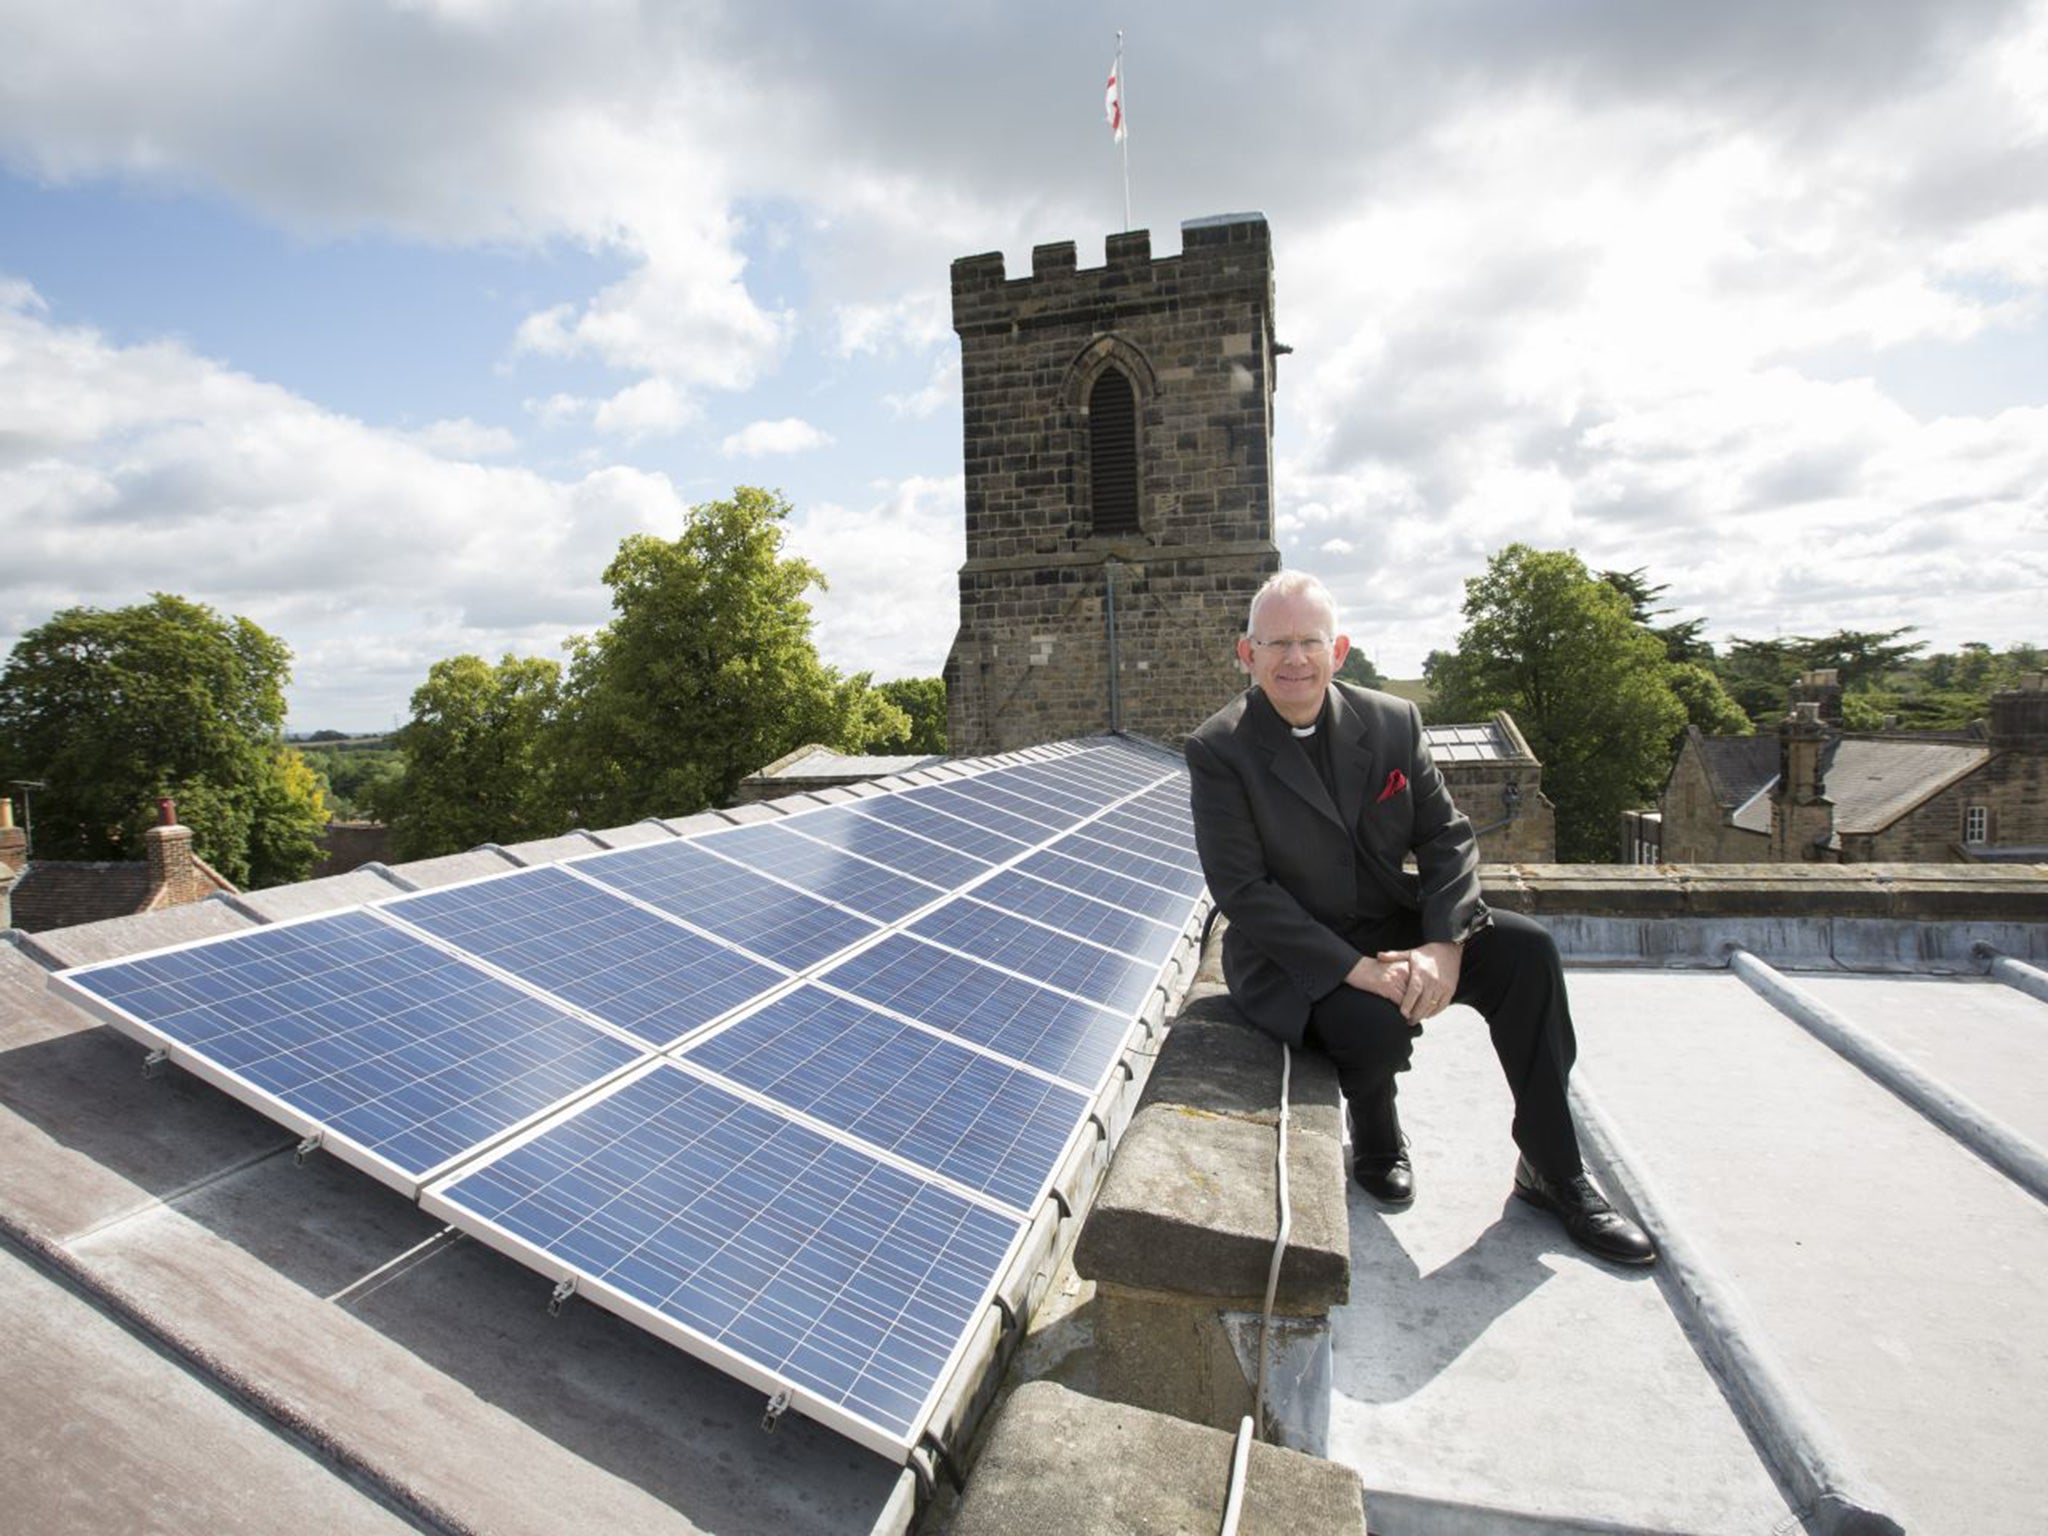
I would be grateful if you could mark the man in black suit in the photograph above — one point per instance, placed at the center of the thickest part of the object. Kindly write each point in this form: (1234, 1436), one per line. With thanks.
(1309, 796)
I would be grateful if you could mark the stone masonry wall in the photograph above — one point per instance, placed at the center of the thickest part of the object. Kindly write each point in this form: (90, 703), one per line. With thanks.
(1193, 334)
(1694, 832)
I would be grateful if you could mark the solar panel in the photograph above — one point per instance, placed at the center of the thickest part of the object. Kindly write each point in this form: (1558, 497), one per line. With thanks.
(766, 918)
(1080, 915)
(979, 811)
(911, 812)
(1107, 885)
(403, 1056)
(645, 974)
(786, 1094)
(785, 851)
(1028, 949)
(919, 856)
(1089, 849)
(981, 1123)
(1012, 1016)
(787, 1257)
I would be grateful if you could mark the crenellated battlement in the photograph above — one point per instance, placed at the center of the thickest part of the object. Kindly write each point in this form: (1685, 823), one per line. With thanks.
(1220, 254)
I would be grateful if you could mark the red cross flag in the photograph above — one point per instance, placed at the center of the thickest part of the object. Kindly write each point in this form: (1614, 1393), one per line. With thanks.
(1113, 99)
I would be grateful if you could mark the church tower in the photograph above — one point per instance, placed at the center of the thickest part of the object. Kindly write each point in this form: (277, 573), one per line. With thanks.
(1118, 448)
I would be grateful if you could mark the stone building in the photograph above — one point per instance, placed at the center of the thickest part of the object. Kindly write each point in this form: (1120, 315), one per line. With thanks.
(1814, 793)
(1119, 485)
(1498, 784)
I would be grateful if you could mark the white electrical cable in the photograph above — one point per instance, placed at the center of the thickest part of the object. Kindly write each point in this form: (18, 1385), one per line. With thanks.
(1238, 1460)
(1279, 1241)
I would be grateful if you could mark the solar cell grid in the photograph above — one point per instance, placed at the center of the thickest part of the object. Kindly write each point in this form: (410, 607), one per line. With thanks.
(1074, 1040)
(372, 1034)
(912, 812)
(888, 844)
(979, 811)
(1186, 881)
(783, 850)
(1049, 819)
(1047, 791)
(810, 1262)
(1080, 915)
(634, 970)
(1146, 837)
(981, 1123)
(1074, 965)
(1170, 907)
(771, 920)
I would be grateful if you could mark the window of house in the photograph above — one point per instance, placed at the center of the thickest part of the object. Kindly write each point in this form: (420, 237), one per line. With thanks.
(1112, 454)
(1977, 824)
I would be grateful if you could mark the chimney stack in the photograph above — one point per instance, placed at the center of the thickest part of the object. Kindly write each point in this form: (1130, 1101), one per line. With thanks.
(174, 876)
(2019, 716)
(1821, 687)
(13, 860)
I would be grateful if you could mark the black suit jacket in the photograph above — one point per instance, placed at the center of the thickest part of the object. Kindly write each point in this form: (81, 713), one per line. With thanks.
(1294, 872)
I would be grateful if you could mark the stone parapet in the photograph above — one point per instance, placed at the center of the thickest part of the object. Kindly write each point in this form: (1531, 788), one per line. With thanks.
(1892, 892)
(1056, 1461)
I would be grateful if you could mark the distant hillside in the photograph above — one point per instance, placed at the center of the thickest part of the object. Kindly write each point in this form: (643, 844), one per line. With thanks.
(1414, 689)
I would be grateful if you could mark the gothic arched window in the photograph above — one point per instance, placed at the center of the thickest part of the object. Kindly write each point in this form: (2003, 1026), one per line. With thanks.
(1112, 454)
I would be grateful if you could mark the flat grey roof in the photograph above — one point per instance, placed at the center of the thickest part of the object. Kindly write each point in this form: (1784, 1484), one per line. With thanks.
(211, 1335)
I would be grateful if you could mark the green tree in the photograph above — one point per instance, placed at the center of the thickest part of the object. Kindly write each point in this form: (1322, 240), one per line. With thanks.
(1559, 649)
(478, 758)
(1358, 668)
(112, 708)
(1681, 642)
(1707, 704)
(1759, 674)
(923, 702)
(707, 671)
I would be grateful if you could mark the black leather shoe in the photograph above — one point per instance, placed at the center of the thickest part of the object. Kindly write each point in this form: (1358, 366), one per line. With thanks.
(1588, 1219)
(1389, 1180)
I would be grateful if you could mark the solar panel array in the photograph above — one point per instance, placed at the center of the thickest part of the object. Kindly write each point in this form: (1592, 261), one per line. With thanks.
(786, 1094)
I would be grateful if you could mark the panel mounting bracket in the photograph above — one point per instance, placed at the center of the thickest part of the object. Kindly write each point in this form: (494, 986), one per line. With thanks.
(153, 1063)
(564, 1289)
(306, 1149)
(771, 1416)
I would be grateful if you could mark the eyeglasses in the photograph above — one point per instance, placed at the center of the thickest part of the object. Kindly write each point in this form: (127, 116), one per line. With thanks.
(1310, 646)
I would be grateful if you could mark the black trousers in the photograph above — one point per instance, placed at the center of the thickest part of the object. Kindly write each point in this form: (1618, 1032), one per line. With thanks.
(1513, 977)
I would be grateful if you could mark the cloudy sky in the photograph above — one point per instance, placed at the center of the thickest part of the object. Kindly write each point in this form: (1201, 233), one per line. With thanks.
(382, 321)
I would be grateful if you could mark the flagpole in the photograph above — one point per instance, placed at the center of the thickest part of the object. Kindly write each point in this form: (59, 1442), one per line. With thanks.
(1124, 117)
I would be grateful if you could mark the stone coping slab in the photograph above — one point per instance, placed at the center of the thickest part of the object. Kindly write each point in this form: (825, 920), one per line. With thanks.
(1058, 1461)
(1188, 1207)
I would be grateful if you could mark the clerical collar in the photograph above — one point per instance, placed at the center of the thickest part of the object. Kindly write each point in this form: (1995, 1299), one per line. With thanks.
(1304, 732)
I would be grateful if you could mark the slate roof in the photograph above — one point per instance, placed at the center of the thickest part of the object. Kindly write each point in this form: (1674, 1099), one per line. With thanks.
(1737, 766)
(62, 893)
(1874, 780)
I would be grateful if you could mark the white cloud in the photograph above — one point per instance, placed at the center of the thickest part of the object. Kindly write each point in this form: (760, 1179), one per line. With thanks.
(128, 470)
(941, 390)
(462, 438)
(763, 439)
(894, 598)
(651, 408)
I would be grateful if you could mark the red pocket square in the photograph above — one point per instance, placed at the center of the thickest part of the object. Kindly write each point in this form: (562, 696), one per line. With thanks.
(1396, 782)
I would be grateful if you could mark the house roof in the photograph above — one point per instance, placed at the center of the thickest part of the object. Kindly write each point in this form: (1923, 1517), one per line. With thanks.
(1737, 766)
(1874, 780)
(62, 893)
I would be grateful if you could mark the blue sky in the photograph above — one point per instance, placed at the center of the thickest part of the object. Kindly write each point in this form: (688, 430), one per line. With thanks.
(383, 323)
